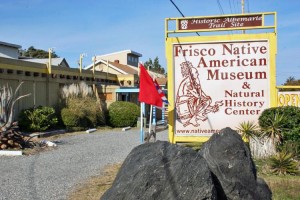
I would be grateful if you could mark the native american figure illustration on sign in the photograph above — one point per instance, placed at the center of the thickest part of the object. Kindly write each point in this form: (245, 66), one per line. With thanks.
(192, 104)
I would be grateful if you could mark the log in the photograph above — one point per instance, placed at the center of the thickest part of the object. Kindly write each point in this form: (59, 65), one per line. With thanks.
(10, 142)
(3, 146)
(16, 144)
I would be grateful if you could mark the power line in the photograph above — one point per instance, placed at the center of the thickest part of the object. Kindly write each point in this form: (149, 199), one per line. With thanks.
(177, 8)
(237, 6)
(220, 7)
(230, 6)
(180, 12)
(248, 7)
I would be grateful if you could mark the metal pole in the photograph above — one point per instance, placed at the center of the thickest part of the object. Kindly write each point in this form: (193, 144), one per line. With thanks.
(142, 122)
(80, 63)
(154, 116)
(50, 64)
(150, 120)
(94, 66)
(243, 8)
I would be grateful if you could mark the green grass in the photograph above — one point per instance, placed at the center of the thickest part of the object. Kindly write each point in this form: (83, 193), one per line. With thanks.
(283, 187)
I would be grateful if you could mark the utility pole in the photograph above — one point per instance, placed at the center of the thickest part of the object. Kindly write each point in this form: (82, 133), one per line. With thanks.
(50, 50)
(80, 62)
(243, 11)
(94, 61)
(243, 6)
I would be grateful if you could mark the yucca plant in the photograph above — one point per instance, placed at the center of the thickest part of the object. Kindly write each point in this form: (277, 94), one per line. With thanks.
(248, 130)
(7, 103)
(273, 127)
(282, 163)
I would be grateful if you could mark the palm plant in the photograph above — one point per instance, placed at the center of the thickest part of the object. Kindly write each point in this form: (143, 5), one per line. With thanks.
(282, 163)
(248, 130)
(273, 127)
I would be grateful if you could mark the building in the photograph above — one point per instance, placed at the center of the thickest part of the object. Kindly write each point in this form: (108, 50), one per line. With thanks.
(113, 76)
(126, 57)
(8, 50)
(44, 81)
(125, 64)
(59, 62)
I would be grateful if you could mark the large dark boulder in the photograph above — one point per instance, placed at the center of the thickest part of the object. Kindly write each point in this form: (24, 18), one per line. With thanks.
(160, 171)
(222, 169)
(234, 172)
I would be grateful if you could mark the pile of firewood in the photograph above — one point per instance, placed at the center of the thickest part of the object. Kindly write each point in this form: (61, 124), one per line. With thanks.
(12, 139)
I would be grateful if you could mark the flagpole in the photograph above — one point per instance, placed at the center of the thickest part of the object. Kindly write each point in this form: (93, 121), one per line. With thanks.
(142, 124)
(150, 120)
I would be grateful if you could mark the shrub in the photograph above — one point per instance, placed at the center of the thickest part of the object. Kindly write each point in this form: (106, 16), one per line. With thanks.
(292, 147)
(82, 113)
(79, 107)
(123, 114)
(282, 164)
(247, 130)
(69, 117)
(37, 119)
(289, 124)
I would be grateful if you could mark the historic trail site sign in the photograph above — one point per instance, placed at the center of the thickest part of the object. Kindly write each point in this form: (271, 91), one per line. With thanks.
(218, 81)
(220, 22)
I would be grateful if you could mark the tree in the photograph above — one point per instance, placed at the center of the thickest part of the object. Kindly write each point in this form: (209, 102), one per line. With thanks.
(154, 66)
(291, 81)
(37, 53)
(149, 64)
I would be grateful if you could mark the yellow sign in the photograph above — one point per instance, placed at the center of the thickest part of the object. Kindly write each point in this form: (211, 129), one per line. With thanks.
(289, 98)
(218, 81)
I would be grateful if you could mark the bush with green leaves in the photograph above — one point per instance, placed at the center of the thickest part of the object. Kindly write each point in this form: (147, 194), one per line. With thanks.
(292, 147)
(37, 119)
(82, 113)
(289, 124)
(283, 163)
(123, 114)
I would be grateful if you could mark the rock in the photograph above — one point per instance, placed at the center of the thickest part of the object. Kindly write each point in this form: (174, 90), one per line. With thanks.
(234, 172)
(222, 169)
(162, 170)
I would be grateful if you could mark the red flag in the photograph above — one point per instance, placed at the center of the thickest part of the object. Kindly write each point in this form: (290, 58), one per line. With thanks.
(148, 93)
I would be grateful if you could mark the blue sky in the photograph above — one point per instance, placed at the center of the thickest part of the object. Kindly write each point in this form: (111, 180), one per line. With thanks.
(98, 27)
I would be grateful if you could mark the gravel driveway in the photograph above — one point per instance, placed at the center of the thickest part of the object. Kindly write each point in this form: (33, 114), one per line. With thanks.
(52, 174)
